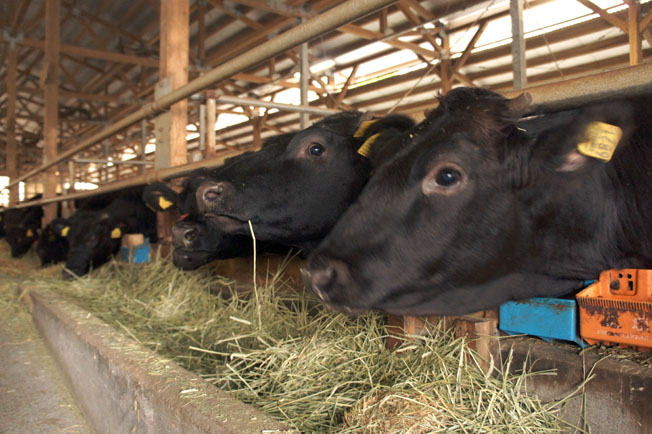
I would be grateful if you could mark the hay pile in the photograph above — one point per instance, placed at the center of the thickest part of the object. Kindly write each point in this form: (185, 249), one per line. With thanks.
(316, 370)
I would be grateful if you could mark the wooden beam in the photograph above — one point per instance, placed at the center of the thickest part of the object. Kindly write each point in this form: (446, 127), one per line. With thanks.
(12, 148)
(201, 33)
(610, 18)
(372, 36)
(467, 52)
(635, 42)
(174, 49)
(518, 44)
(91, 53)
(50, 81)
(645, 21)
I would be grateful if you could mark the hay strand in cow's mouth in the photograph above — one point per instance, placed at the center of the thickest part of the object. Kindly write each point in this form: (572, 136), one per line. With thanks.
(316, 370)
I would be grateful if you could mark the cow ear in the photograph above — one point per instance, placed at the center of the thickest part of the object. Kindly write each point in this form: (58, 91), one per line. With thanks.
(595, 143)
(159, 197)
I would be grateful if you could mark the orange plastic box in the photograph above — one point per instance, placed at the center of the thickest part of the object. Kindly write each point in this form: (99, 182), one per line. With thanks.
(618, 309)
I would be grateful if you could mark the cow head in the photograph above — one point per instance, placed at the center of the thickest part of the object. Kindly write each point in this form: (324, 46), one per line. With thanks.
(21, 238)
(92, 241)
(481, 208)
(295, 187)
(195, 241)
(22, 226)
(52, 245)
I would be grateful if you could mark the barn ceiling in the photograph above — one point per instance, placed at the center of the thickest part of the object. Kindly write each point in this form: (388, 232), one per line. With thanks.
(397, 59)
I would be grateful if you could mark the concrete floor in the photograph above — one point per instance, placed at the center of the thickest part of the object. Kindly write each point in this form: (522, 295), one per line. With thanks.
(34, 396)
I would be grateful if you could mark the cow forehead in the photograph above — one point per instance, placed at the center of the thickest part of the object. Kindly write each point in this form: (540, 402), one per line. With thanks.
(317, 134)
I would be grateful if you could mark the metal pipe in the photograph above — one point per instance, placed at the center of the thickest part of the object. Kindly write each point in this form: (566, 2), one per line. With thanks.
(202, 128)
(629, 81)
(618, 83)
(151, 176)
(98, 161)
(277, 105)
(518, 44)
(211, 119)
(318, 25)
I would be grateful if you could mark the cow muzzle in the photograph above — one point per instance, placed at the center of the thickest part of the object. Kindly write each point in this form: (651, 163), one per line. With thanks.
(330, 280)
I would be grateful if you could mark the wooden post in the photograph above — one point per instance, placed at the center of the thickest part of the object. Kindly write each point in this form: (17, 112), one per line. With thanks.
(518, 44)
(481, 332)
(257, 123)
(171, 147)
(143, 144)
(304, 71)
(174, 64)
(50, 81)
(201, 33)
(445, 65)
(12, 147)
(635, 41)
(211, 119)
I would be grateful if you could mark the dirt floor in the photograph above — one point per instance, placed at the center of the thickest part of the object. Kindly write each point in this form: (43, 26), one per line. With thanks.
(34, 396)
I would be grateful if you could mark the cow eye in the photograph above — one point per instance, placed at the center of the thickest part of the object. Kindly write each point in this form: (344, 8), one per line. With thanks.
(316, 149)
(448, 177)
(444, 179)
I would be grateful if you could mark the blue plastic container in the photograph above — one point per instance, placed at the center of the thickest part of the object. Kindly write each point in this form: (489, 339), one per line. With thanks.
(547, 318)
(136, 254)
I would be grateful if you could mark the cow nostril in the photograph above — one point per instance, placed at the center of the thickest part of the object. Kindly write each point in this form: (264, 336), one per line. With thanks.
(191, 234)
(324, 278)
(213, 193)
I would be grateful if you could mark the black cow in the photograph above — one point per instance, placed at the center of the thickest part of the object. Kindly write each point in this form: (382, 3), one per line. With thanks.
(483, 208)
(293, 191)
(52, 246)
(195, 242)
(22, 226)
(94, 236)
(2, 222)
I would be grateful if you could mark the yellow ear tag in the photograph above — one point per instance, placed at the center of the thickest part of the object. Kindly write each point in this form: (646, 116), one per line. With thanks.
(362, 129)
(164, 203)
(116, 233)
(29, 234)
(366, 146)
(64, 231)
(600, 140)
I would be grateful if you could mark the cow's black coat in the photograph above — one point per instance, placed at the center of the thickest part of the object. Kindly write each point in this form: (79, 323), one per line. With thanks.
(22, 226)
(195, 241)
(483, 208)
(52, 247)
(92, 235)
(293, 191)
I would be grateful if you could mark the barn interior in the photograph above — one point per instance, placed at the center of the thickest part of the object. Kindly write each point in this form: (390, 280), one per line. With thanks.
(100, 96)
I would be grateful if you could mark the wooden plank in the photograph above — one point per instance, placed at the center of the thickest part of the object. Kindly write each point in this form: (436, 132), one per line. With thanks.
(175, 18)
(481, 333)
(12, 147)
(50, 81)
(610, 18)
(635, 42)
(518, 44)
